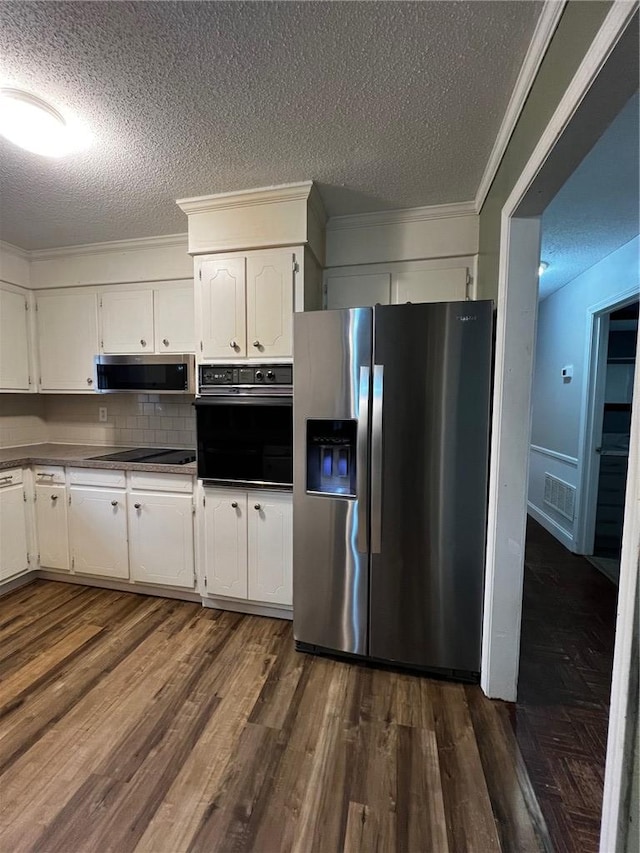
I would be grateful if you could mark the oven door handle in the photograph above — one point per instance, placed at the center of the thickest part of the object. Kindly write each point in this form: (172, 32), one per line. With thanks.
(242, 400)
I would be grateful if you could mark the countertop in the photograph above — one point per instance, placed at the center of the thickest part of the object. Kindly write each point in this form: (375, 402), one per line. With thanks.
(78, 455)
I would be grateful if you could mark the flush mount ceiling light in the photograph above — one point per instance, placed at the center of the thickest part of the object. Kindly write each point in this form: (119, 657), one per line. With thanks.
(544, 266)
(36, 126)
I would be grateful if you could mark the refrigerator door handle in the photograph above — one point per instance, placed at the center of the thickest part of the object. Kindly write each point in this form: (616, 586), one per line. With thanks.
(376, 459)
(362, 453)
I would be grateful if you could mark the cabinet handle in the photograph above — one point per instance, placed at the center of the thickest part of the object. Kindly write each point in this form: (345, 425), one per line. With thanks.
(89, 381)
(138, 506)
(114, 503)
(54, 497)
(257, 506)
(256, 344)
(44, 474)
(143, 342)
(165, 341)
(234, 504)
(233, 344)
(6, 479)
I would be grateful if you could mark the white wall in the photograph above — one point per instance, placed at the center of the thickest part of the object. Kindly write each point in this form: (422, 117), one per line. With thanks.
(559, 408)
(14, 265)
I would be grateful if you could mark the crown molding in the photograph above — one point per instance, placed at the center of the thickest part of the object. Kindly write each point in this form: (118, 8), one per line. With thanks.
(246, 198)
(11, 249)
(542, 35)
(401, 217)
(118, 246)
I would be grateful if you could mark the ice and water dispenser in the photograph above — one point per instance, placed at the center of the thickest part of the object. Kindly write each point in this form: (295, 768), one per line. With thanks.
(331, 457)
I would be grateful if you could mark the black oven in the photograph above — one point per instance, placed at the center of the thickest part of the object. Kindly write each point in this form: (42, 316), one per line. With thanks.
(244, 424)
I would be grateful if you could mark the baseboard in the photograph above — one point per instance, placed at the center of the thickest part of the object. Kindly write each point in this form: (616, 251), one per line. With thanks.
(16, 583)
(248, 607)
(552, 526)
(120, 586)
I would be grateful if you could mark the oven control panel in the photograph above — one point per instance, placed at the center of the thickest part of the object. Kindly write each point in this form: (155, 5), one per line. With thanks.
(244, 375)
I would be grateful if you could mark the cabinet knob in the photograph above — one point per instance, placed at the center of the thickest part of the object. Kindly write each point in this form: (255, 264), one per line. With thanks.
(138, 506)
(89, 381)
(54, 497)
(114, 503)
(165, 341)
(143, 342)
(233, 344)
(234, 504)
(256, 344)
(257, 506)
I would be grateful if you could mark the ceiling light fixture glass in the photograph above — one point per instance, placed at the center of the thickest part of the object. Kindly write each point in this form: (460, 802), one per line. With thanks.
(544, 266)
(36, 126)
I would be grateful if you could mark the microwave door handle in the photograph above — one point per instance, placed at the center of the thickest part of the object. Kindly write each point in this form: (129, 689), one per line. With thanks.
(376, 459)
(362, 454)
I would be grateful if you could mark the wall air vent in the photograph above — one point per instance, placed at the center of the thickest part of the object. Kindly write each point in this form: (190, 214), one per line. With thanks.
(560, 495)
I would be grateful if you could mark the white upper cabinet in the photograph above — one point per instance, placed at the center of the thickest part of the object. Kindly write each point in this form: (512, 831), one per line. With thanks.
(220, 308)
(147, 321)
(174, 317)
(244, 306)
(444, 285)
(358, 291)
(14, 341)
(126, 321)
(67, 341)
(270, 304)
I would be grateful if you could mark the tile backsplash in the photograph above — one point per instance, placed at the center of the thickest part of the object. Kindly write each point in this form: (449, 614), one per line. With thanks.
(132, 419)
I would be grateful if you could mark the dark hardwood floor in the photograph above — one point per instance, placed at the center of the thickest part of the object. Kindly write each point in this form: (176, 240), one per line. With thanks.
(566, 659)
(133, 723)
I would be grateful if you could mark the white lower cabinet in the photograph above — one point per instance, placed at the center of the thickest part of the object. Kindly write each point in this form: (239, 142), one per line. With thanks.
(14, 547)
(98, 531)
(247, 545)
(161, 538)
(52, 528)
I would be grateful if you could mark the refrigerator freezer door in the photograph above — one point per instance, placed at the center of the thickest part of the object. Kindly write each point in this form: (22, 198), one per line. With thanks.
(332, 358)
(429, 482)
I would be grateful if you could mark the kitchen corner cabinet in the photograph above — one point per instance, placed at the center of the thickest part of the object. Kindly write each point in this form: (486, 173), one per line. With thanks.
(67, 341)
(244, 305)
(51, 521)
(247, 545)
(15, 373)
(14, 547)
(147, 321)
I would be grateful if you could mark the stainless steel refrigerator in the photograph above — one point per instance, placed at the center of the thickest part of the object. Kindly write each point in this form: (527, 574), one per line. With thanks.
(391, 426)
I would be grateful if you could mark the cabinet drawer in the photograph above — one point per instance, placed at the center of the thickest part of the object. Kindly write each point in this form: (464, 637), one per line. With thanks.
(149, 481)
(48, 474)
(97, 477)
(11, 477)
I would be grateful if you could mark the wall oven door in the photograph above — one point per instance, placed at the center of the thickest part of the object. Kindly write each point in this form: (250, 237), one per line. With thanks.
(245, 440)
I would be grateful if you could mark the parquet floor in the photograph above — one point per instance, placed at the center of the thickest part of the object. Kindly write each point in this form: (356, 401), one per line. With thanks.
(134, 723)
(566, 660)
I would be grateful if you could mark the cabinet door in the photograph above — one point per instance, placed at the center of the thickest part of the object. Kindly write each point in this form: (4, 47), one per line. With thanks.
(220, 307)
(225, 543)
(126, 321)
(51, 523)
(174, 320)
(358, 291)
(13, 532)
(161, 538)
(67, 340)
(98, 532)
(449, 285)
(14, 342)
(269, 304)
(270, 547)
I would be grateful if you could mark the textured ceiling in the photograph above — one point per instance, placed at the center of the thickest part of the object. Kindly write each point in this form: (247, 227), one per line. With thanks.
(596, 211)
(384, 104)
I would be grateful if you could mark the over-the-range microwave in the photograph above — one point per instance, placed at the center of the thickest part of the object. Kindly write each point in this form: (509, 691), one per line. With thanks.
(157, 374)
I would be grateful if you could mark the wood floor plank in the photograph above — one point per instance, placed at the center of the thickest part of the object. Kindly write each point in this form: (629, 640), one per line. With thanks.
(174, 728)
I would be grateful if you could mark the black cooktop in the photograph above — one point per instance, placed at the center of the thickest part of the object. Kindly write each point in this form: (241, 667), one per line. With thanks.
(152, 455)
